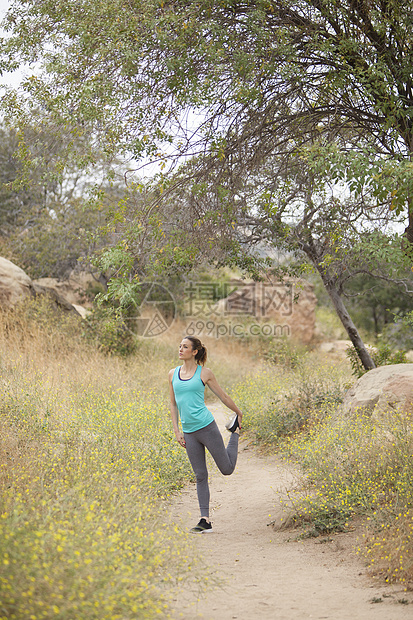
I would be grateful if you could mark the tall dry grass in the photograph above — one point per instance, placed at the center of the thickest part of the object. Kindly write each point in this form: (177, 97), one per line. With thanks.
(87, 461)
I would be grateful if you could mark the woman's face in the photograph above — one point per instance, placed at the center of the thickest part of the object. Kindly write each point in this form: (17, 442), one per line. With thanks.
(185, 350)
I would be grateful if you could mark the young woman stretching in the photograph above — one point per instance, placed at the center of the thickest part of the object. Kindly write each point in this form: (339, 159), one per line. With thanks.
(187, 387)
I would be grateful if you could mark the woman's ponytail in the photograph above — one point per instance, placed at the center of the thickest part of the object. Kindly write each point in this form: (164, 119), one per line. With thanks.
(197, 345)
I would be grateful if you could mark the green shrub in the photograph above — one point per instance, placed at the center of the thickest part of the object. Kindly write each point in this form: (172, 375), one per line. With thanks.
(355, 466)
(106, 330)
(283, 353)
(382, 355)
(279, 401)
(352, 466)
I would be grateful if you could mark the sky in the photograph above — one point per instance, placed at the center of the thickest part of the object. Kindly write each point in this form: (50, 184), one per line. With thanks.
(3, 6)
(8, 79)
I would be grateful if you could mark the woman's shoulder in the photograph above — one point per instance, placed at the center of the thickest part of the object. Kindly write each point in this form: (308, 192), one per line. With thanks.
(171, 372)
(206, 373)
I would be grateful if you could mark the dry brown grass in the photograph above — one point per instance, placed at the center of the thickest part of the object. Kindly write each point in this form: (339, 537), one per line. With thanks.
(86, 454)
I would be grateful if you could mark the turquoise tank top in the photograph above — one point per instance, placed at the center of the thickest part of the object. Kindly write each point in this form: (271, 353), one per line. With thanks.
(189, 396)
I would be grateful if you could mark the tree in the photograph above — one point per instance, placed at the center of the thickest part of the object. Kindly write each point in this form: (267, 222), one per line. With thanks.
(256, 71)
(234, 84)
(284, 205)
(47, 215)
(375, 303)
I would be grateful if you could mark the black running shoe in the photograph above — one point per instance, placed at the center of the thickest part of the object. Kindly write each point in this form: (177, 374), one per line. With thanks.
(202, 526)
(232, 425)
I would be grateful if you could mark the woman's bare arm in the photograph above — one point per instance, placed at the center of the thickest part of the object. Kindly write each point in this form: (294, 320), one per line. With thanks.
(174, 412)
(209, 379)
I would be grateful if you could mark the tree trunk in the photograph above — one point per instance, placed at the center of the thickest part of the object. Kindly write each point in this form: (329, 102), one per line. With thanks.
(348, 324)
(407, 241)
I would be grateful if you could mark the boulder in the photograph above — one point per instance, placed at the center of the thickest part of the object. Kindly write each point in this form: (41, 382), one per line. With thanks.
(15, 284)
(73, 290)
(384, 389)
(82, 311)
(60, 301)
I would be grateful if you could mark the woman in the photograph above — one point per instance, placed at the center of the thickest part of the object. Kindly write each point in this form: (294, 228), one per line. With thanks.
(187, 387)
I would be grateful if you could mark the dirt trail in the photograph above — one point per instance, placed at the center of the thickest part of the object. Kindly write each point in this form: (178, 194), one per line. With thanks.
(260, 574)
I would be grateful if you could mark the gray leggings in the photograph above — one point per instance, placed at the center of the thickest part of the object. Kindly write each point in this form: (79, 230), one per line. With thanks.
(225, 458)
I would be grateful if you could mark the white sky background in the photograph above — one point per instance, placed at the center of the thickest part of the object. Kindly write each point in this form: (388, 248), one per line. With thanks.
(8, 79)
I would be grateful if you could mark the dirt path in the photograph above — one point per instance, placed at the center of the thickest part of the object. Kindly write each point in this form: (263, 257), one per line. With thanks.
(259, 574)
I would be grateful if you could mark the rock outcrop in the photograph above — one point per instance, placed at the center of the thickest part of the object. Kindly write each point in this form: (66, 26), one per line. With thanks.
(72, 290)
(281, 309)
(384, 389)
(15, 284)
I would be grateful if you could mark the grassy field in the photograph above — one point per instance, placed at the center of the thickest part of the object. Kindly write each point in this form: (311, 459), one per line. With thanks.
(88, 463)
(88, 460)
